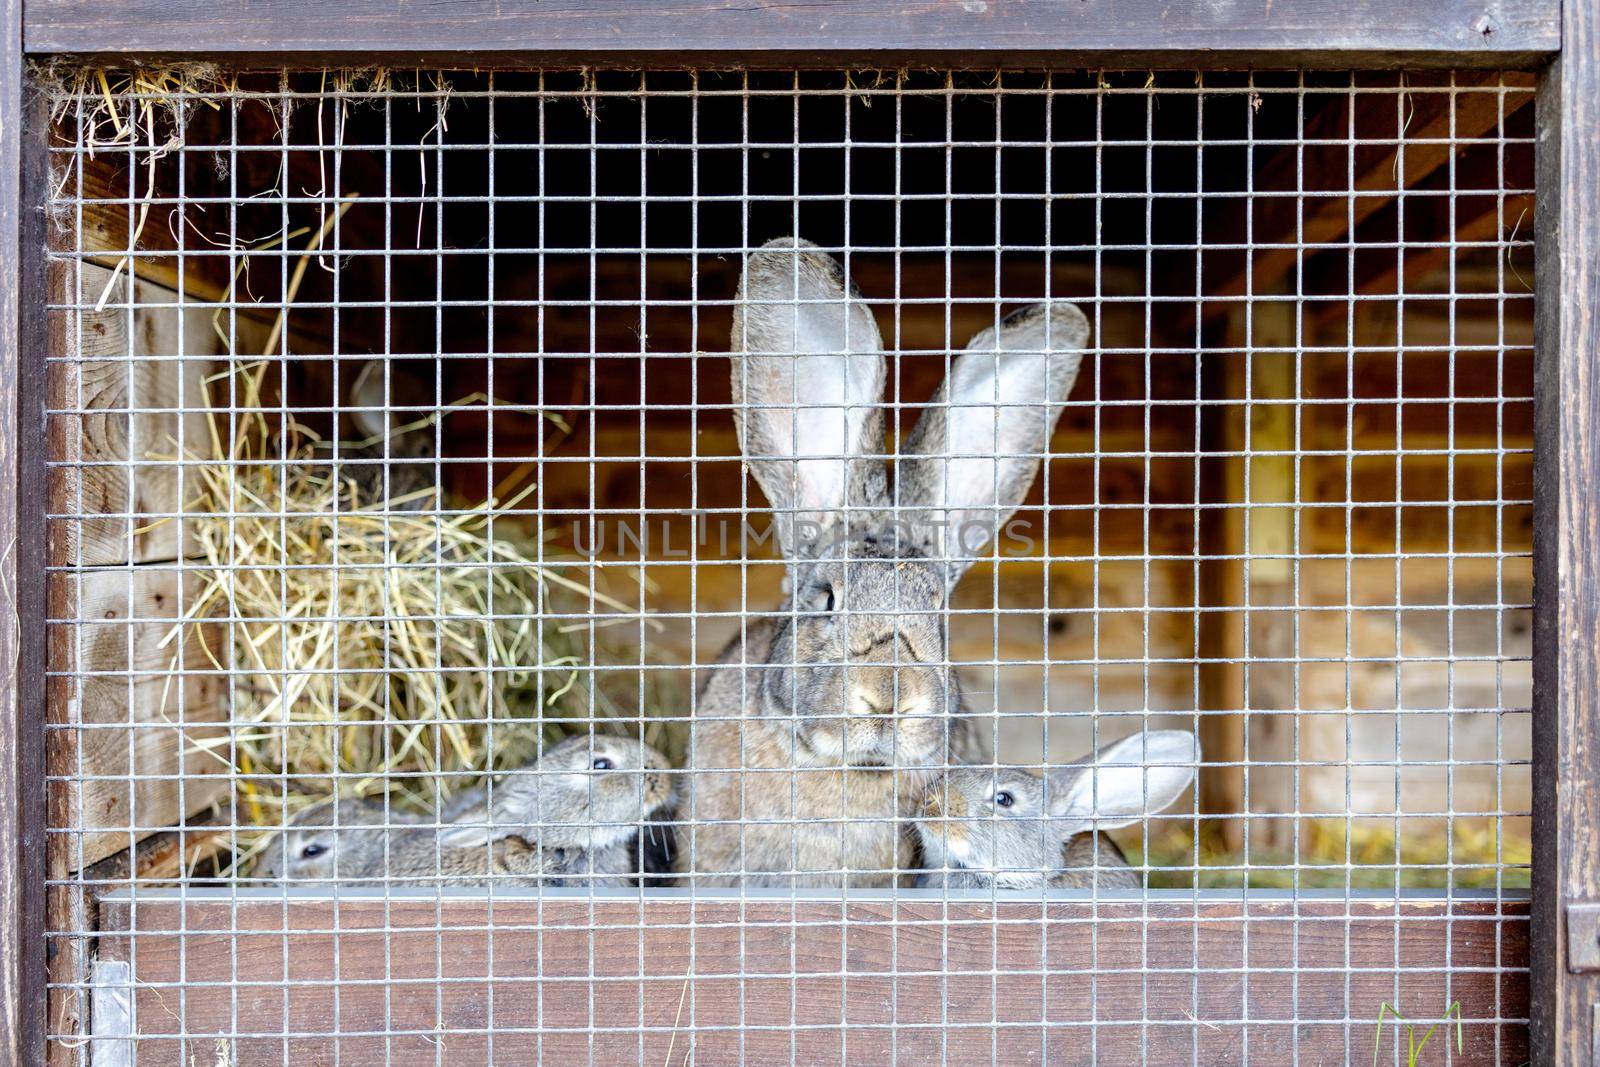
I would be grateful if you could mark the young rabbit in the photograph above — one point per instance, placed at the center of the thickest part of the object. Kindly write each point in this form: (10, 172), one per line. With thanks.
(356, 842)
(818, 728)
(585, 802)
(1010, 828)
(391, 463)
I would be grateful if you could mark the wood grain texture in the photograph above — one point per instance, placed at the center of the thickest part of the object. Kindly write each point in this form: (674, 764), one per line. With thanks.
(677, 32)
(807, 982)
(115, 423)
(1566, 741)
(123, 744)
(12, 885)
(22, 183)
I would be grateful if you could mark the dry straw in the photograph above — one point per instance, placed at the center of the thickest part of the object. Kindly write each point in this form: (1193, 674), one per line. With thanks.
(368, 650)
(373, 649)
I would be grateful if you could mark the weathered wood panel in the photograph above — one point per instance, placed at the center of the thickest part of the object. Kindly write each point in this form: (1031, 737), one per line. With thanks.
(126, 721)
(686, 31)
(127, 385)
(1566, 741)
(22, 297)
(564, 980)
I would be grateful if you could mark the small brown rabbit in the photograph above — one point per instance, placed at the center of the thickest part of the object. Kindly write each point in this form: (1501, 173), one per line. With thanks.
(585, 802)
(819, 727)
(1010, 828)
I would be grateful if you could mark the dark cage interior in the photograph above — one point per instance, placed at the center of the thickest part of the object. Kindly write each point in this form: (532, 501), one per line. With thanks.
(1287, 507)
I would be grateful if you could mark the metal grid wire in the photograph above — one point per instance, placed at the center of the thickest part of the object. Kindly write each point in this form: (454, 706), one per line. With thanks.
(1148, 452)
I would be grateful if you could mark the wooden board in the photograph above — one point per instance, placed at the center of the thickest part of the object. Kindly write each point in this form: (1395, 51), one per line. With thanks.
(120, 400)
(676, 32)
(22, 296)
(129, 711)
(1566, 681)
(871, 981)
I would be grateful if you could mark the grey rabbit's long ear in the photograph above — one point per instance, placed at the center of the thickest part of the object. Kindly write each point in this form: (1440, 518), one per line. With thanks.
(369, 404)
(808, 378)
(372, 400)
(1128, 780)
(974, 453)
(466, 836)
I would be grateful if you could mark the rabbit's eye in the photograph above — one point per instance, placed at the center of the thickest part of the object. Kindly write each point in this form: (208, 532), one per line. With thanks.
(601, 763)
(312, 850)
(1004, 799)
(822, 601)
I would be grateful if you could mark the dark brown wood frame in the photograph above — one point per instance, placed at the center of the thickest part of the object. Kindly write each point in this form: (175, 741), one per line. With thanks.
(1566, 546)
(1563, 40)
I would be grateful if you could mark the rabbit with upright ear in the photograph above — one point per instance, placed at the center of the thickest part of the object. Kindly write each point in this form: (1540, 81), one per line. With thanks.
(584, 802)
(1006, 827)
(819, 727)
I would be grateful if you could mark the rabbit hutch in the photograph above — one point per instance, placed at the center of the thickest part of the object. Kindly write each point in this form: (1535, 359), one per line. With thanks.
(878, 533)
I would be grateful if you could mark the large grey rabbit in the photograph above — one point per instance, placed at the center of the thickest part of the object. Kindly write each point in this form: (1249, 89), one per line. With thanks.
(820, 726)
(1011, 828)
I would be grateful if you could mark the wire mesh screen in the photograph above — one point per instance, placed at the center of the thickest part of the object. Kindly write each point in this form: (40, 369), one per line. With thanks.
(819, 567)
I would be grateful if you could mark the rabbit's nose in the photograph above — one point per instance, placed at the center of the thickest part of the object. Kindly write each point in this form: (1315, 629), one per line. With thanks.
(873, 692)
(868, 703)
(932, 804)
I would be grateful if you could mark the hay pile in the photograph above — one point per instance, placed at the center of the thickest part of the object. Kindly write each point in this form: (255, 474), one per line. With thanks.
(371, 650)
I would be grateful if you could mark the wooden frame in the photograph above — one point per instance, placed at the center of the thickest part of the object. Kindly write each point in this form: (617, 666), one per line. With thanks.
(867, 980)
(678, 32)
(1566, 681)
(1451, 33)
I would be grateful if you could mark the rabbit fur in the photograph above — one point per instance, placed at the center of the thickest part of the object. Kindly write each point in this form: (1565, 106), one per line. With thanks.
(555, 823)
(358, 841)
(826, 721)
(585, 801)
(1011, 828)
(390, 465)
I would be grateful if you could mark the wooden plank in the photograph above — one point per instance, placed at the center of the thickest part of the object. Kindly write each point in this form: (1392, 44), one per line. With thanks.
(22, 337)
(676, 32)
(125, 721)
(1282, 223)
(1271, 476)
(119, 405)
(1221, 633)
(1566, 675)
(74, 916)
(1422, 263)
(1477, 214)
(567, 980)
(107, 226)
(70, 960)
